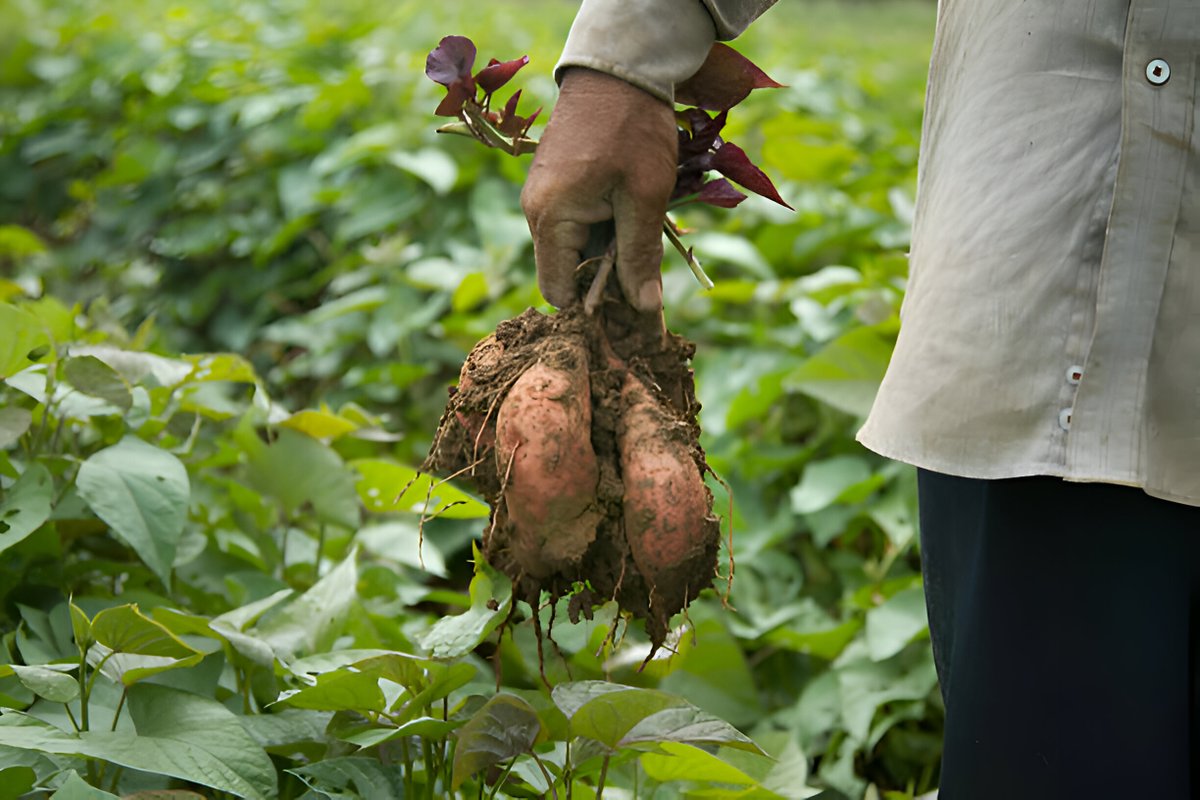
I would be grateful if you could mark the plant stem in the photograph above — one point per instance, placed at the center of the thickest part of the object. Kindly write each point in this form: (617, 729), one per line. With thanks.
(408, 767)
(602, 778)
(83, 704)
(71, 716)
(503, 777)
(430, 780)
(688, 256)
(120, 705)
(546, 773)
(320, 550)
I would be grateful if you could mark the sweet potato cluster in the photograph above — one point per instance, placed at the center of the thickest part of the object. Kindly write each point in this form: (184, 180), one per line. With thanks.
(580, 430)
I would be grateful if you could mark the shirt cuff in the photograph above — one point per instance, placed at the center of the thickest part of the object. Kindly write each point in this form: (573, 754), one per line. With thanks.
(652, 44)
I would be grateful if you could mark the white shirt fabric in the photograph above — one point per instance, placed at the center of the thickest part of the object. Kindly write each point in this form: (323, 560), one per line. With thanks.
(1051, 324)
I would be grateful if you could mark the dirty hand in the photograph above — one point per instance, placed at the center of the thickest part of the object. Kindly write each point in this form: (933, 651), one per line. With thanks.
(608, 153)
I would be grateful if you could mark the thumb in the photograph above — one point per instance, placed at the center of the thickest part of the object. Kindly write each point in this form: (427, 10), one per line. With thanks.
(639, 249)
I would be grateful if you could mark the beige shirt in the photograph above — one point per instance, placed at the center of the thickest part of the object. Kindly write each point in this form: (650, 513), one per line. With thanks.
(1052, 320)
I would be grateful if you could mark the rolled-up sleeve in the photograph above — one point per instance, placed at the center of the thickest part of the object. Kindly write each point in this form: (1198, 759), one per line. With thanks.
(653, 44)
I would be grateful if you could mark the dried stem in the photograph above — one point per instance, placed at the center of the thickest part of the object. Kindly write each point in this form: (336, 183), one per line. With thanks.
(693, 263)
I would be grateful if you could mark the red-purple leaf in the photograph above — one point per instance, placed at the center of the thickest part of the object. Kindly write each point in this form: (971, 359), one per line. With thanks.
(451, 60)
(457, 93)
(723, 80)
(498, 73)
(732, 162)
(720, 193)
(703, 132)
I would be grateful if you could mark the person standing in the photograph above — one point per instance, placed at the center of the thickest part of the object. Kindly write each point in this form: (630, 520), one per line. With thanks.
(1046, 379)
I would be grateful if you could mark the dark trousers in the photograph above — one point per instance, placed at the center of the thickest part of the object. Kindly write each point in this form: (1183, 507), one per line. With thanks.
(1066, 630)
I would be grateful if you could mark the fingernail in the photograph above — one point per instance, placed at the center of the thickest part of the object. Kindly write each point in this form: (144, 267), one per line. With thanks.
(650, 296)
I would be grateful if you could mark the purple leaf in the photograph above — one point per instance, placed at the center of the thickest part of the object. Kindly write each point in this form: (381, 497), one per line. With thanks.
(457, 93)
(702, 132)
(723, 80)
(451, 60)
(498, 73)
(720, 193)
(732, 162)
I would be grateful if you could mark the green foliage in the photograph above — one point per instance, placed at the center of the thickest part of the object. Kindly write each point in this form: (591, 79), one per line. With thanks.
(240, 271)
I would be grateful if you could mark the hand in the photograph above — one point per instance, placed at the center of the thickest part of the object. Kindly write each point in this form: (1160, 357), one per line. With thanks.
(608, 153)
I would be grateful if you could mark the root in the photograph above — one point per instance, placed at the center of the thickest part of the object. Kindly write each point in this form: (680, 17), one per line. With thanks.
(729, 579)
(428, 496)
(595, 294)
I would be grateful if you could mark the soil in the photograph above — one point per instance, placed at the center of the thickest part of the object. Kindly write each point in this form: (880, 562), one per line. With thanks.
(618, 339)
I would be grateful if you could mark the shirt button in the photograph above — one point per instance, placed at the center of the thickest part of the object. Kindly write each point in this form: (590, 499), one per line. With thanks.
(1074, 374)
(1158, 72)
(1064, 419)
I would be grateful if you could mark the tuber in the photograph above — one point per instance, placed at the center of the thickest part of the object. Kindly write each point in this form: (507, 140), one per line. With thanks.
(546, 462)
(666, 507)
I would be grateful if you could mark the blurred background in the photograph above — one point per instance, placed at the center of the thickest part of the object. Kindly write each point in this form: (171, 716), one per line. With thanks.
(260, 180)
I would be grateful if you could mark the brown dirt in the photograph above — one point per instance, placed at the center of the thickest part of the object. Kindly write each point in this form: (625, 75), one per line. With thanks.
(618, 339)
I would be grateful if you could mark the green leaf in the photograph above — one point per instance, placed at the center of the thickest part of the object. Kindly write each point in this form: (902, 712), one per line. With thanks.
(429, 164)
(867, 685)
(17, 243)
(353, 778)
(20, 335)
(301, 472)
(81, 627)
(894, 624)
(387, 486)
(472, 291)
(823, 482)
(52, 684)
(504, 728)
(16, 781)
(319, 424)
(491, 598)
(685, 762)
(76, 788)
(286, 727)
(400, 540)
(26, 505)
(142, 492)
(610, 716)
(338, 691)
(846, 373)
(178, 734)
(14, 422)
(131, 646)
(315, 618)
(425, 727)
(138, 367)
(94, 378)
(223, 367)
(686, 724)
(444, 679)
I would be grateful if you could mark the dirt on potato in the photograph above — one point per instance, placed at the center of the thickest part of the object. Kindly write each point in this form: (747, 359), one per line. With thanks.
(586, 551)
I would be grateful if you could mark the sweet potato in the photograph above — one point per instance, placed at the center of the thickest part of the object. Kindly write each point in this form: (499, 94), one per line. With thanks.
(548, 467)
(666, 506)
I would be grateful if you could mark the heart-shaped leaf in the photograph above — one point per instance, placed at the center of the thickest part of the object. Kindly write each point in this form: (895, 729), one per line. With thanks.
(451, 60)
(504, 728)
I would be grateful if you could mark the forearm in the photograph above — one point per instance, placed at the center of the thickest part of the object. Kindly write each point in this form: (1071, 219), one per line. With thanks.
(653, 44)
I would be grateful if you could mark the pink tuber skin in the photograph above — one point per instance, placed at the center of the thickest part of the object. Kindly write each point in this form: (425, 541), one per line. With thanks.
(666, 502)
(545, 457)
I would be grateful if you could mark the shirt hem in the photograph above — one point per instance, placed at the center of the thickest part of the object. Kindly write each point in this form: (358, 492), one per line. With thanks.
(991, 471)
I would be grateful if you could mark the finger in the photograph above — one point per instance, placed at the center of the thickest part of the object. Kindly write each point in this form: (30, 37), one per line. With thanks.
(556, 250)
(640, 249)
